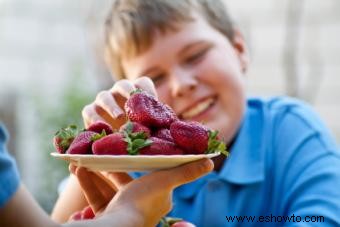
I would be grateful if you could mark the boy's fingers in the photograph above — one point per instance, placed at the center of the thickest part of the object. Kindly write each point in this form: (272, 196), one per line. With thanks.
(119, 179)
(123, 87)
(92, 193)
(90, 115)
(146, 84)
(186, 173)
(106, 101)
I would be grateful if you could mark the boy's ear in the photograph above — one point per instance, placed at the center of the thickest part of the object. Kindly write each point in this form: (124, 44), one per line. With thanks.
(241, 49)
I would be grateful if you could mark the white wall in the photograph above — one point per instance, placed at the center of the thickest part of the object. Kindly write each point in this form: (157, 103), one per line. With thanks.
(264, 24)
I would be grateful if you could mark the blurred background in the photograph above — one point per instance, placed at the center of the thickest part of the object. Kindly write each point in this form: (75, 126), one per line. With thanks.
(51, 65)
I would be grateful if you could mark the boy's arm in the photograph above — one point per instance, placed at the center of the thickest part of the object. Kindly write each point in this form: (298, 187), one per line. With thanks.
(70, 200)
(22, 210)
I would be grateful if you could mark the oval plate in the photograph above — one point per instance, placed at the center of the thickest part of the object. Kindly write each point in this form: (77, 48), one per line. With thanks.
(130, 163)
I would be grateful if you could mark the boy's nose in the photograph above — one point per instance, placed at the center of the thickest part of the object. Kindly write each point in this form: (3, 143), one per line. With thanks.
(183, 83)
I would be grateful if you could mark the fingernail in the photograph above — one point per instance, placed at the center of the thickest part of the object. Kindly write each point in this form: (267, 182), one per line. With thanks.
(118, 113)
(208, 164)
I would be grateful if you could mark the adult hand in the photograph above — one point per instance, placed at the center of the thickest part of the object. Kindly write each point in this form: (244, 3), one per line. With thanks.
(146, 199)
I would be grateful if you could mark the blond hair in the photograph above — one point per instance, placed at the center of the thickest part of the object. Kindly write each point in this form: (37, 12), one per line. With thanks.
(131, 24)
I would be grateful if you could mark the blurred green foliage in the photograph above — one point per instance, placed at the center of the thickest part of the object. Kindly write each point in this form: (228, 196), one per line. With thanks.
(53, 116)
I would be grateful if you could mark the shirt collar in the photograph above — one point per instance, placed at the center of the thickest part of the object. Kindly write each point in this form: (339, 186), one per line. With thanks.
(245, 165)
(3, 133)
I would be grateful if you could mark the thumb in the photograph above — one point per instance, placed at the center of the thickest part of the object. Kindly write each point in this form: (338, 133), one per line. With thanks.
(119, 179)
(175, 177)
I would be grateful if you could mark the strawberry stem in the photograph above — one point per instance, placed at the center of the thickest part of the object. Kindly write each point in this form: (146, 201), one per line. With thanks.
(129, 127)
(66, 135)
(98, 136)
(138, 90)
(136, 141)
(168, 221)
(215, 145)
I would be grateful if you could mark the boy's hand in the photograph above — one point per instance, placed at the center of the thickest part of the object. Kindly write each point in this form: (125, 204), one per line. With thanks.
(109, 105)
(147, 198)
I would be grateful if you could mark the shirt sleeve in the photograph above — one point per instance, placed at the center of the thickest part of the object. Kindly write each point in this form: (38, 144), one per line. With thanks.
(9, 177)
(308, 170)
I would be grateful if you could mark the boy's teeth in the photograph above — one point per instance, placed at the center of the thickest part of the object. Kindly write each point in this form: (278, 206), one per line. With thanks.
(198, 108)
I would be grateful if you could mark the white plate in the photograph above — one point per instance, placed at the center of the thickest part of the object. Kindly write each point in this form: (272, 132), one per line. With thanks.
(130, 163)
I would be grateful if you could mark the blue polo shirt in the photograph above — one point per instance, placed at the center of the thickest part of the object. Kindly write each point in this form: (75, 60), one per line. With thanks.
(284, 170)
(9, 177)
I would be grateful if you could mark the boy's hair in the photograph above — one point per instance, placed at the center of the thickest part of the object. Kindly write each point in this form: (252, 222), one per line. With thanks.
(131, 24)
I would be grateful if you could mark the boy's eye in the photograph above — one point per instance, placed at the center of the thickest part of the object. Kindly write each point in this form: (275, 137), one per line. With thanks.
(158, 78)
(195, 57)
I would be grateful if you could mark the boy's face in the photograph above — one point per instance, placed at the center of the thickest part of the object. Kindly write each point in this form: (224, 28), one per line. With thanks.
(198, 72)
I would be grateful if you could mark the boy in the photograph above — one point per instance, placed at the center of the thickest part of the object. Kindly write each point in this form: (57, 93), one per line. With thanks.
(283, 162)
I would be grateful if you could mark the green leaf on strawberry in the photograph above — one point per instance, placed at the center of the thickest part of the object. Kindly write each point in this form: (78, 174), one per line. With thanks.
(137, 90)
(135, 142)
(139, 134)
(64, 137)
(98, 136)
(168, 221)
(215, 145)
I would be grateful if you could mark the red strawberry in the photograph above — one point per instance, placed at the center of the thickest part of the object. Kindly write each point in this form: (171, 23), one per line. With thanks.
(183, 224)
(82, 143)
(145, 109)
(164, 134)
(175, 222)
(76, 216)
(133, 127)
(87, 213)
(64, 137)
(161, 147)
(120, 144)
(195, 138)
(113, 144)
(99, 126)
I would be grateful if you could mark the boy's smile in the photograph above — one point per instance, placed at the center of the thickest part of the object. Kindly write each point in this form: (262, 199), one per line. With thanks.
(199, 109)
(198, 72)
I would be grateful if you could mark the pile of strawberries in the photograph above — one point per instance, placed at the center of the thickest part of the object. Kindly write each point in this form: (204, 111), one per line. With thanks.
(152, 129)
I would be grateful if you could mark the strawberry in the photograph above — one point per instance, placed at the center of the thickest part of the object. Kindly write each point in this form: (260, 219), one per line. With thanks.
(82, 143)
(132, 127)
(183, 224)
(145, 109)
(164, 134)
(99, 126)
(161, 147)
(64, 137)
(87, 213)
(195, 138)
(120, 144)
(175, 222)
(76, 216)
(113, 144)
